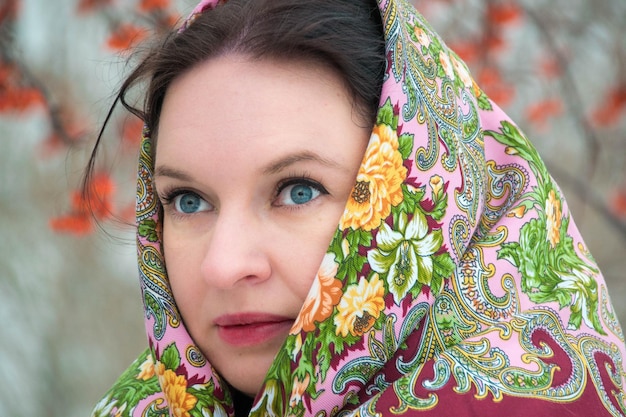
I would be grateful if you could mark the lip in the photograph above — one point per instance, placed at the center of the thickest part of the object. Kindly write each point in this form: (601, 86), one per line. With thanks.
(249, 329)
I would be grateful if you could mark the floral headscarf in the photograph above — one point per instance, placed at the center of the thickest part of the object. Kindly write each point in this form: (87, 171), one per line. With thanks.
(456, 282)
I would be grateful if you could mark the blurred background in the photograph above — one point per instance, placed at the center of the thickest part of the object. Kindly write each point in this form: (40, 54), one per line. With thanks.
(70, 308)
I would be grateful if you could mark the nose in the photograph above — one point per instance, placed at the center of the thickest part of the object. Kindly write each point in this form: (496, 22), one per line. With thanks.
(237, 251)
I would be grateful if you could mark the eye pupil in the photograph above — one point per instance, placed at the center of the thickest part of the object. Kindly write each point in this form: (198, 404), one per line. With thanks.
(301, 194)
(189, 203)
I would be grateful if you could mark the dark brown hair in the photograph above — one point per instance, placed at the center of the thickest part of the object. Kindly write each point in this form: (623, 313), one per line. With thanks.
(345, 35)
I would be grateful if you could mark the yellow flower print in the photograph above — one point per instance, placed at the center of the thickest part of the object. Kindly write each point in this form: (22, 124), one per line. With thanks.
(323, 296)
(553, 214)
(146, 369)
(360, 306)
(379, 182)
(436, 184)
(174, 388)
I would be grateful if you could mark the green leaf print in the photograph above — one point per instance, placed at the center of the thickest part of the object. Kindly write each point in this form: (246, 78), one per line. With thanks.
(405, 145)
(443, 267)
(330, 345)
(350, 263)
(550, 268)
(411, 200)
(386, 115)
(130, 388)
(518, 144)
(170, 357)
(483, 101)
(147, 229)
(205, 400)
(440, 209)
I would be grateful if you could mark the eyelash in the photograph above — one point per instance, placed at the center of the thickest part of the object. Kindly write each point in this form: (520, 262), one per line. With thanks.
(168, 196)
(294, 180)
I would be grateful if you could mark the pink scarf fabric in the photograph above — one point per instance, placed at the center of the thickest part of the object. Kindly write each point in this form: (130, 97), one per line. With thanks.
(456, 283)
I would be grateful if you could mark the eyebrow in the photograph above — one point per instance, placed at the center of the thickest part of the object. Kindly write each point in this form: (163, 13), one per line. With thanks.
(272, 168)
(165, 171)
(287, 161)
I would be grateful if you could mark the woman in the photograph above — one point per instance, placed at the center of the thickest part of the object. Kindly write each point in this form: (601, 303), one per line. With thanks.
(333, 219)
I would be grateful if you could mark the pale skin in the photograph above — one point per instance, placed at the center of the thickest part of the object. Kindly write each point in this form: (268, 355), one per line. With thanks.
(255, 161)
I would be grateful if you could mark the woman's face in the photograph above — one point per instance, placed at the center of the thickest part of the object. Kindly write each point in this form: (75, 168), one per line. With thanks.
(255, 162)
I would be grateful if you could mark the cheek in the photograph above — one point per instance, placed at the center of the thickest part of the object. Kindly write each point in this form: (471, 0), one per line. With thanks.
(304, 274)
(180, 263)
(169, 251)
(304, 256)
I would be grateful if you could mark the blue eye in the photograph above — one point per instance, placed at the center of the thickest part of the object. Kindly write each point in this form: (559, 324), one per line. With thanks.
(190, 203)
(299, 192)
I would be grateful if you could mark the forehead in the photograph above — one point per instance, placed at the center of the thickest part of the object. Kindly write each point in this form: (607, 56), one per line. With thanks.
(231, 105)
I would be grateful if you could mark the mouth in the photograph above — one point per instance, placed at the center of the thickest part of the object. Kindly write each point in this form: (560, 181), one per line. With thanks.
(249, 329)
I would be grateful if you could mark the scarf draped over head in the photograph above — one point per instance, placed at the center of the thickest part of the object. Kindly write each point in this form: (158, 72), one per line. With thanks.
(456, 282)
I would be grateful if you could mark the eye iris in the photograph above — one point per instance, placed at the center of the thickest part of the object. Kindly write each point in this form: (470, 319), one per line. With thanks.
(189, 203)
(301, 194)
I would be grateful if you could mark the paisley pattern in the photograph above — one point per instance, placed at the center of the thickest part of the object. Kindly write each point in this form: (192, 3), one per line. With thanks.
(456, 282)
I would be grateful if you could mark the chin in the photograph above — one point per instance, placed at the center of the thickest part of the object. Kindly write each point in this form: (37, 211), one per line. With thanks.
(248, 375)
(248, 386)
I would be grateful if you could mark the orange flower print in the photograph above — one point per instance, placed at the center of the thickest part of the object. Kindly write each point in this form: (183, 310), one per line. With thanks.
(360, 306)
(174, 388)
(299, 388)
(422, 36)
(444, 60)
(553, 214)
(323, 296)
(462, 72)
(146, 369)
(378, 184)
(518, 212)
